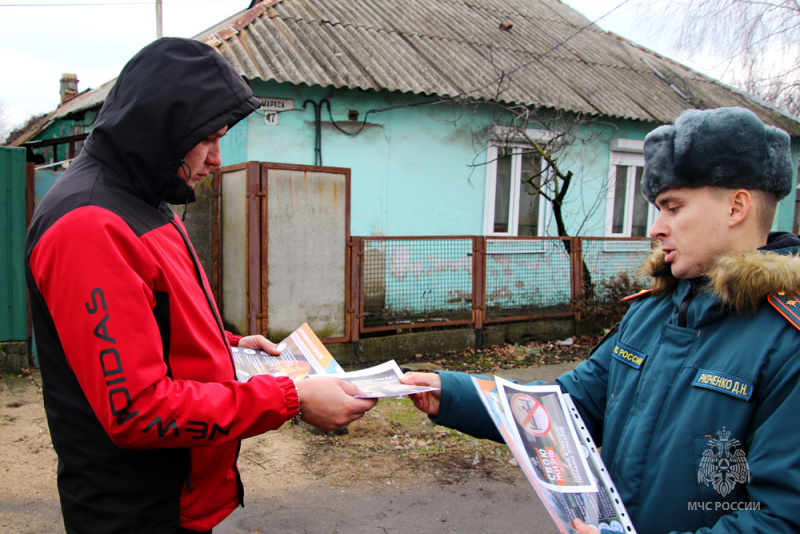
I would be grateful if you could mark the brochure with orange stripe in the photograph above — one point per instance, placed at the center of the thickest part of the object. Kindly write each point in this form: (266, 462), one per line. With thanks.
(302, 354)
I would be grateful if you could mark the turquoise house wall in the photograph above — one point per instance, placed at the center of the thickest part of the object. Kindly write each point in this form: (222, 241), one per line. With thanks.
(591, 158)
(784, 217)
(588, 157)
(418, 169)
(234, 145)
(418, 166)
(411, 172)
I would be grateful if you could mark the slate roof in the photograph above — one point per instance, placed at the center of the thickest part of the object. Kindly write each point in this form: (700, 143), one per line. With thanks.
(84, 101)
(551, 56)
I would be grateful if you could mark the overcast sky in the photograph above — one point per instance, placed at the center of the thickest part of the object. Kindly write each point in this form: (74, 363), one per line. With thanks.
(94, 39)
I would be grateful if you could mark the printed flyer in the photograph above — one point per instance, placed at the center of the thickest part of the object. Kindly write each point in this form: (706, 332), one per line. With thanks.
(545, 433)
(302, 354)
(382, 381)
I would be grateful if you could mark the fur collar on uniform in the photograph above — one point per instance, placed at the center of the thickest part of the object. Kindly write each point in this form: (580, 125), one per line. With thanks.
(740, 281)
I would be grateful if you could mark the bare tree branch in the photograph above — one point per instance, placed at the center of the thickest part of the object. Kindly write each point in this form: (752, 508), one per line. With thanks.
(759, 40)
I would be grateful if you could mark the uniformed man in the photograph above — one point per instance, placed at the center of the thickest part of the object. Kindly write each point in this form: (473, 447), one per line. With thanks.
(694, 394)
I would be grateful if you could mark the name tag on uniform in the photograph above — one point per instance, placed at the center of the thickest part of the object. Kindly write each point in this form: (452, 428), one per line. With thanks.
(628, 355)
(736, 387)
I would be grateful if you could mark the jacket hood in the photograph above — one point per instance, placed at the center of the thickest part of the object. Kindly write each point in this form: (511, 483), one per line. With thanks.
(740, 281)
(168, 97)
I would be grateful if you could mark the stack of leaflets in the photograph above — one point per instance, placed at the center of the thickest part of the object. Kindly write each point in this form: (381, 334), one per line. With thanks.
(303, 355)
(549, 440)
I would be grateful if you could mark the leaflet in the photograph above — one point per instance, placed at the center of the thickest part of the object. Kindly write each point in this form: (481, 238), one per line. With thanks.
(302, 354)
(546, 434)
(382, 381)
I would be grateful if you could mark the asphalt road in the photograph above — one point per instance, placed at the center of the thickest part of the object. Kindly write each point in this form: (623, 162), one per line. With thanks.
(474, 505)
(477, 505)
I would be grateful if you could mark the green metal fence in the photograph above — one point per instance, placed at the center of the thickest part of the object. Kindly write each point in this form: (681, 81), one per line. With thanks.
(13, 303)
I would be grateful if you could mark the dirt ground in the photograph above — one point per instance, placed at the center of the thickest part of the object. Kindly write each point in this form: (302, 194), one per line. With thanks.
(394, 447)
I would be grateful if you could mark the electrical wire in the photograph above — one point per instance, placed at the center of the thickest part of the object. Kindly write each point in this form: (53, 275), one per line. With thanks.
(109, 4)
(540, 56)
(465, 94)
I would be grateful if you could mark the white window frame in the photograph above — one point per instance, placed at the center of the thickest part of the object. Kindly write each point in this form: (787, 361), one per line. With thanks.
(511, 138)
(629, 153)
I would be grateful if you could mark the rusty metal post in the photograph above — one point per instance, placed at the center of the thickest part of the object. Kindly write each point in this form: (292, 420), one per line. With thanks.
(478, 287)
(576, 259)
(356, 309)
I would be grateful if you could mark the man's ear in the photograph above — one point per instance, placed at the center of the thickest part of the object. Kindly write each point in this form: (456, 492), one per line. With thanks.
(741, 201)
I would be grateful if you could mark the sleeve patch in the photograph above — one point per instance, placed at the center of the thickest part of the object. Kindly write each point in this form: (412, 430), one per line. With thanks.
(788, 304)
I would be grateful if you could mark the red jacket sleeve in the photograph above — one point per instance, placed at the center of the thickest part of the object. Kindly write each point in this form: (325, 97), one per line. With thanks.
(233, 339)
(100, 282)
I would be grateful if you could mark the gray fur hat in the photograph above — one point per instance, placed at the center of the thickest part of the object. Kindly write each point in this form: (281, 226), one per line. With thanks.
(725, 147)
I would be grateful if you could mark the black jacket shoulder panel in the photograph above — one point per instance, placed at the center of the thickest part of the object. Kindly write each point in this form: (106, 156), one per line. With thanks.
(86, 183)
(168, 97)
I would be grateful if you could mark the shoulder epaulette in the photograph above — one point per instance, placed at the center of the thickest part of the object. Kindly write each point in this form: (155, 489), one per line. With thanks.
(788, 304)
(641, 293)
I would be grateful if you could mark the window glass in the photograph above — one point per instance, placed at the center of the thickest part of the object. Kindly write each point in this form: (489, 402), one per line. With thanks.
(529, 195)
(628, 214)
(639, 226)
(513, 203)
(620, 190)
(502, 192)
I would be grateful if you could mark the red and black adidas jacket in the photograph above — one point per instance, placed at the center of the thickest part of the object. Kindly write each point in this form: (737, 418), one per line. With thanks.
(139, 389)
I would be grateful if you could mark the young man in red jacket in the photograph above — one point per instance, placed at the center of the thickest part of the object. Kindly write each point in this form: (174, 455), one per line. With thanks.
(144, 411)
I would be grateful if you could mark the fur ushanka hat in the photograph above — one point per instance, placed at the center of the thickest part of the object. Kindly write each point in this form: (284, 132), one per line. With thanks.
(725, 147)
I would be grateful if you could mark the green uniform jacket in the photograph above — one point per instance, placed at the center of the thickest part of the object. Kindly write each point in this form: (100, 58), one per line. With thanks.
(693, 397)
